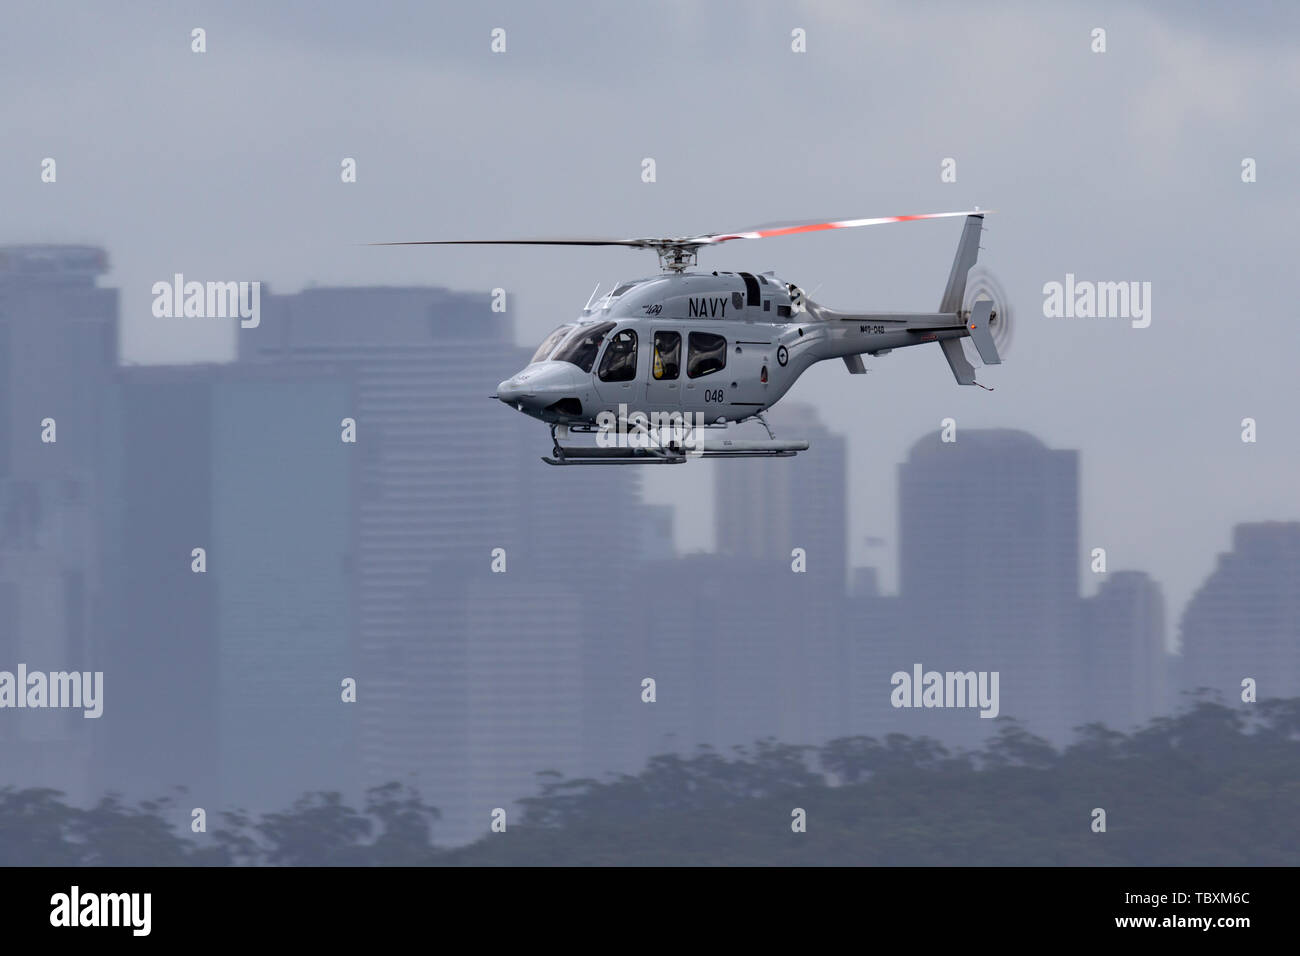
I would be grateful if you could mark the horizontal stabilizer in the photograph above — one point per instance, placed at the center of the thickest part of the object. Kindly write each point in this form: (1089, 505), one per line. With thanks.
(962, 370)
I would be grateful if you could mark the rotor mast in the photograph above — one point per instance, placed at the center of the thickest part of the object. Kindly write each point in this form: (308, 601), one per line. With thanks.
(676, 256)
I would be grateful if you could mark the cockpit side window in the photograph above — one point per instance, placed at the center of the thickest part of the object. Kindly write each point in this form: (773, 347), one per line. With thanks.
(548, 345)
(582, 345)
(619, 361)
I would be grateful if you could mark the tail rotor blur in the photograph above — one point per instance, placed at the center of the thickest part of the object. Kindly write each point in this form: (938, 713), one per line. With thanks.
(982, 285)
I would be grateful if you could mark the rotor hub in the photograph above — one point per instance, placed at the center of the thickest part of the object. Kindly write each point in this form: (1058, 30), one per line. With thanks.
(675, 257)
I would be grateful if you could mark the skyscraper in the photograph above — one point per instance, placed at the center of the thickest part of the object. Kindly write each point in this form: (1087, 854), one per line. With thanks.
(437, 471)
(46, 617)
(764, 508)
(1122, 659)
(989, 573)
(726, 640)
(786, 521)
(874, 633)
(458, 659)
(228, 541)
(58, 348)
(1244, 621)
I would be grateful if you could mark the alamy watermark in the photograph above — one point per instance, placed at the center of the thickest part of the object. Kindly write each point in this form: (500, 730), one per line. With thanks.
(922, 688)
(670, 430)
(75, 908)
(208, 300)
(1084, 299)
(38, 690)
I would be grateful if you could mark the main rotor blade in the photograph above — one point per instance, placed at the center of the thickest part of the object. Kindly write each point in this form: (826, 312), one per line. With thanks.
(688, 242)
(791, 229)
(516, 242)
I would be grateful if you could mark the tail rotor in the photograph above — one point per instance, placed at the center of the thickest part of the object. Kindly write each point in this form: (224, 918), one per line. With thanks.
(982, 285)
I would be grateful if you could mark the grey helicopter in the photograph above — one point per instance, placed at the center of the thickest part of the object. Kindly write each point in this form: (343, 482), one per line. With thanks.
(652, 364)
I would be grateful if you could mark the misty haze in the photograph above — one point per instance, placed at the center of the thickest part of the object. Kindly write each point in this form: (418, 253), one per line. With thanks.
(276, 548)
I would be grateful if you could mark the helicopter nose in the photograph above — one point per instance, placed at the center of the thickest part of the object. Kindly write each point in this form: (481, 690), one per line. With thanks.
(509, 392)
(520, 389)
(538, 386)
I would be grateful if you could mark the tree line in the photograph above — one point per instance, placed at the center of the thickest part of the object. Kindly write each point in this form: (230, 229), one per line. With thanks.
(1212, 786)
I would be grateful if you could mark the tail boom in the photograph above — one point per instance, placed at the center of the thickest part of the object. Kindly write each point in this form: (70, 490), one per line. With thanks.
(848, 335)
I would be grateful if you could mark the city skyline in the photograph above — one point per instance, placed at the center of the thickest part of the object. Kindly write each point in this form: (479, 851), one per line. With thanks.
(95, 261)
(468, 682)
(452, 140)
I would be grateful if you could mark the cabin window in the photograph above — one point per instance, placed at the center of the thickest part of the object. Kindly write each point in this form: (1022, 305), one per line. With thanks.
(667, 364)
(707, 353)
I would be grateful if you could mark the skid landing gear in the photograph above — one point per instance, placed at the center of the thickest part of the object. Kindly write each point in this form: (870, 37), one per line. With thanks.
(673, 453)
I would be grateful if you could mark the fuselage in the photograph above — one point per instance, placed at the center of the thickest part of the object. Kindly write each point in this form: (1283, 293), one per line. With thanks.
(708, 344)
(721, 346)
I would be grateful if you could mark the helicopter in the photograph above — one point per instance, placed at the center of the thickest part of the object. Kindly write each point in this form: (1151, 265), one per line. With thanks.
(687, 351)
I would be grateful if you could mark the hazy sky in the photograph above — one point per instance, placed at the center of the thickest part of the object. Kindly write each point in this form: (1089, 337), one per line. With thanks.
(1124, 165)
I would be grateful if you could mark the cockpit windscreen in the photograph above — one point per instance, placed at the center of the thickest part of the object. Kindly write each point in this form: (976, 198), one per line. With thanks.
(583, 343)
(548, 345)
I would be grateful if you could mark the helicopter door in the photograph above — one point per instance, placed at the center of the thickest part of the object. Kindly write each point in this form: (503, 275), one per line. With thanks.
(616, 373)
(706, 386)
(663, 390)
